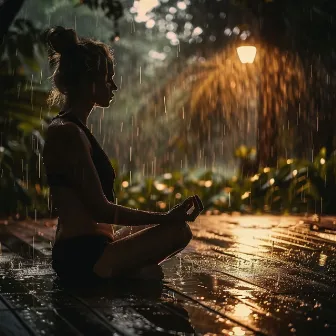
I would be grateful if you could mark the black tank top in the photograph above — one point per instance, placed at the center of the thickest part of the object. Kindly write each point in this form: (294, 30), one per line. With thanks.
(102, 163)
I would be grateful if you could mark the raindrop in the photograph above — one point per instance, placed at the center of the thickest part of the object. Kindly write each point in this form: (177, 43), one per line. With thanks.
(33, 247)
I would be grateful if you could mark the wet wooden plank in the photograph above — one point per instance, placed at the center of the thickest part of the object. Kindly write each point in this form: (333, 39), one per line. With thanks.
(21, 244)
(10, 323)
(229, 280)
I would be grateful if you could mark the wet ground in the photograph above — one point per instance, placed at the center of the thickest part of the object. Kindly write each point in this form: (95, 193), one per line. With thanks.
(239, 276)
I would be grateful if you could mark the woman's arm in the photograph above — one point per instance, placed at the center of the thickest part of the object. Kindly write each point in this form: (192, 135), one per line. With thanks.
(76, 162)
(120, 215)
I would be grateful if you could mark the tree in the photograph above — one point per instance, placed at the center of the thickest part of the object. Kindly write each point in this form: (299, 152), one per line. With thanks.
(23, 105)
(306, 28)
(112, 9)
(285, 26)
(8, 11)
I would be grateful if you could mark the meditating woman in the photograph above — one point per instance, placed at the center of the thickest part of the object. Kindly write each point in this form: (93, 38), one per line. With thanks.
(81, 177)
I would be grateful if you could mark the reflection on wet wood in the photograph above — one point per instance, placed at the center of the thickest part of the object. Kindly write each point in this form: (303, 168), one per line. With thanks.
(235, 278)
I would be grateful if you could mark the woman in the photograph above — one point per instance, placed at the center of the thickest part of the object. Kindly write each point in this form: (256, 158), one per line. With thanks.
(81, 177)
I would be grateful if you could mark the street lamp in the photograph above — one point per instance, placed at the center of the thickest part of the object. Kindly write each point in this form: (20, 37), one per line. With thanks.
(267, 122)
(247, 54)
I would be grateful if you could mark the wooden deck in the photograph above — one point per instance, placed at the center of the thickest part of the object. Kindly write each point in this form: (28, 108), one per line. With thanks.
(243, 276)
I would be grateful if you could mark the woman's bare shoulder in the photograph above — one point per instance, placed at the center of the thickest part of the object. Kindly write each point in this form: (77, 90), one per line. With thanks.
(62, 131)
(60, 128)
(63, 135)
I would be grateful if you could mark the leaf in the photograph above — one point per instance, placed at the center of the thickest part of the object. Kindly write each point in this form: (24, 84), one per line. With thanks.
(26, 127)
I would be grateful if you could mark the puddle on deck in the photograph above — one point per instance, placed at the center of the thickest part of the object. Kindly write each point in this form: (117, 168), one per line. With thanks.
(273, 279)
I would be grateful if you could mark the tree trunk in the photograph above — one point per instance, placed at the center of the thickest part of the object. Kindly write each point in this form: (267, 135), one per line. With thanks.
(8, 11)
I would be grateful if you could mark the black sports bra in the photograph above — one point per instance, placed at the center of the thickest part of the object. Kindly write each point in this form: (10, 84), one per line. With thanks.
(102, 163)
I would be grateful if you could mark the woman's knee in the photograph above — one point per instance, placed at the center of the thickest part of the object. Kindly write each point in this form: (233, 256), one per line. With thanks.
(183, 234)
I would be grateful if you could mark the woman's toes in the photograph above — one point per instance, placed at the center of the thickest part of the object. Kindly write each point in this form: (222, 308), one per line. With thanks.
(152, 272)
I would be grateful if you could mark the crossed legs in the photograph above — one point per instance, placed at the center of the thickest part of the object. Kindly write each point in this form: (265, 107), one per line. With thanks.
(145, 246)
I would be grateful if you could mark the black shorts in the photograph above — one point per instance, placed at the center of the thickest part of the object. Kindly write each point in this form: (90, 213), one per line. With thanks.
(73, 258)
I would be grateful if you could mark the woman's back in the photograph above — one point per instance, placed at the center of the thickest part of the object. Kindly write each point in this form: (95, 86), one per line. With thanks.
(74, 219)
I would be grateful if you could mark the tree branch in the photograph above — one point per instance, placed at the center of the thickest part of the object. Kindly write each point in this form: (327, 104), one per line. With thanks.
(8, 11)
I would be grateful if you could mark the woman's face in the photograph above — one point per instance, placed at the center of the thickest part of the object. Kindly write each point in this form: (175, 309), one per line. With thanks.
(104, 86)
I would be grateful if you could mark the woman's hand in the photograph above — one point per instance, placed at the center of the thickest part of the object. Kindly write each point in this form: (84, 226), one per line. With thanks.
(186, 211)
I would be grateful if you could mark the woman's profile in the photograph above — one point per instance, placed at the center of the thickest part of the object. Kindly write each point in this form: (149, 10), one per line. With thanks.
(81, 177)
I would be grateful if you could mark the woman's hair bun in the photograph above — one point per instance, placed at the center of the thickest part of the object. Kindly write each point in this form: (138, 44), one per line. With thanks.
(61, 39)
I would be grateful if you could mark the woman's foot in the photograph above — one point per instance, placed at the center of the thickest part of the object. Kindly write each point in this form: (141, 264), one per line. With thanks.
(152, 272)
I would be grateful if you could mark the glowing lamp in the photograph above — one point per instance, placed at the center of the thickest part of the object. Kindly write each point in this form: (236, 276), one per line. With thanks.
(247, 54)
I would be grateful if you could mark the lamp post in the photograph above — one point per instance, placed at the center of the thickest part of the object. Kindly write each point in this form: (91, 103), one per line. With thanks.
(267, 124)
(246, 54)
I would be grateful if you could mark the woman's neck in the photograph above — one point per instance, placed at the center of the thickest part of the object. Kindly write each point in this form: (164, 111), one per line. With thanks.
(80, 109)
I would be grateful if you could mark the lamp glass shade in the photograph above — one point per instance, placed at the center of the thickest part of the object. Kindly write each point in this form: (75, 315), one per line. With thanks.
(247, 54)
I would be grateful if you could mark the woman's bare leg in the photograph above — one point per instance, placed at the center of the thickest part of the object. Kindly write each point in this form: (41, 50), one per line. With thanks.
(148, 272)
(129, 230)
(146, 247)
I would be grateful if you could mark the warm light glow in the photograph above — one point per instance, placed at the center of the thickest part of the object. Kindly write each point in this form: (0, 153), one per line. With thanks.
(323, 259)
(247, 54)
(156, 55)
(238, 331)
(125, 184)
(322, 161)
(242, 310)
(181, 5)
(162, 205)
(143, 8)
(167, 176)
(160, 186)
(255, 178)
(150, 24)
(208, 184)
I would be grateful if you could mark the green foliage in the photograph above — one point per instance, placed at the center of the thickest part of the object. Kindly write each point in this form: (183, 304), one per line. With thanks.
(22, 124)
(295, 186)
(23, 187)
